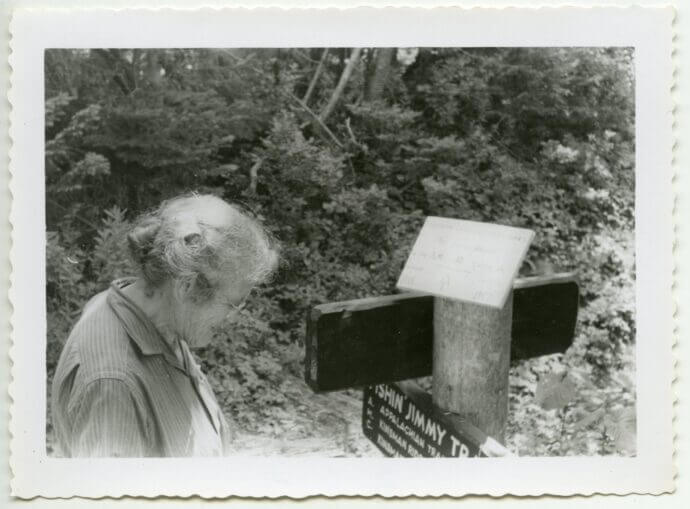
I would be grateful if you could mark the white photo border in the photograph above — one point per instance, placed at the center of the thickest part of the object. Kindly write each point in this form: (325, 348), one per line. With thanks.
(647, 30)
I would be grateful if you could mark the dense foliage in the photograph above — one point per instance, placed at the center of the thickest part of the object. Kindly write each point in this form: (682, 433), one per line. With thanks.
(343, 153)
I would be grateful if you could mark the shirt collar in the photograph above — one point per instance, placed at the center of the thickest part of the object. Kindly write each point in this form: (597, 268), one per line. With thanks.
(138, 326)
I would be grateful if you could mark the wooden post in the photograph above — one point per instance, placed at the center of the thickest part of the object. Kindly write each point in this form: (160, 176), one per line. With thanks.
(471, 360)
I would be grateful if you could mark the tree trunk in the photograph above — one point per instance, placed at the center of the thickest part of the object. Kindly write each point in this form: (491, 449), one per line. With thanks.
(153, 67)
(347, 72)
(382, 65)
(315, 78)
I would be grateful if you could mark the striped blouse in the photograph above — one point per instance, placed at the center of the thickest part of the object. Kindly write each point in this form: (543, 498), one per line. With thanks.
(120, 390)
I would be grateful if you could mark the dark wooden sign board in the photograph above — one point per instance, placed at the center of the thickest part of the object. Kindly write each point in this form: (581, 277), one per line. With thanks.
(385, 339)
(400, 419)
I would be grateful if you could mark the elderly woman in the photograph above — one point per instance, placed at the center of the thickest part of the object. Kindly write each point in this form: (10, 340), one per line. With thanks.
(126, 383)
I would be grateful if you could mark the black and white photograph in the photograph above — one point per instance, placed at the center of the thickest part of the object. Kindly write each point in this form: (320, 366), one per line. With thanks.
(203, 204)
(284, 257)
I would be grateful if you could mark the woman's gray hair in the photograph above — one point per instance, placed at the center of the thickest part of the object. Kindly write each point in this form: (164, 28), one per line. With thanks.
(176, 243)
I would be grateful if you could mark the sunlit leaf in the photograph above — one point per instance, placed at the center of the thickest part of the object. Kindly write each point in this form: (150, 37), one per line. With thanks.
(622, 429)
(589, 419)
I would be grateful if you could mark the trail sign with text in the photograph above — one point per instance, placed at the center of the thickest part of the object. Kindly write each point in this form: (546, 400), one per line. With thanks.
(401, 421)
(465, 260)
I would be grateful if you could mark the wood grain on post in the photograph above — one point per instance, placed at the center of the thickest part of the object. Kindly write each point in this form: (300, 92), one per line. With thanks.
(471, 361)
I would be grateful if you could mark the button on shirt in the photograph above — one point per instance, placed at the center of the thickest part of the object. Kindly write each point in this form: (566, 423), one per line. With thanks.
(120, 390)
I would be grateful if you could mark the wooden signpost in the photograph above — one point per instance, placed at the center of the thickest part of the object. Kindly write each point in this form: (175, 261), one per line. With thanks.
(457, 324)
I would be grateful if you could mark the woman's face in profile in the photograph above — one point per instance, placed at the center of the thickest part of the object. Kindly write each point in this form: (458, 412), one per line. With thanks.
(197, 320)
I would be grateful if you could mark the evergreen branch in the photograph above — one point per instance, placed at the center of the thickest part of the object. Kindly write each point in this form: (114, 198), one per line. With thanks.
(76, 216)
(317, 119)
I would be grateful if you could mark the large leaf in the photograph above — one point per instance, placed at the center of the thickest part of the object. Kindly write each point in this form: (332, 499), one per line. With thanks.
(621, 427)
(589, 419)
(554, 391)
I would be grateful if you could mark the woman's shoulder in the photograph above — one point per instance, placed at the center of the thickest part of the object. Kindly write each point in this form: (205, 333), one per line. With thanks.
(98, 341)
